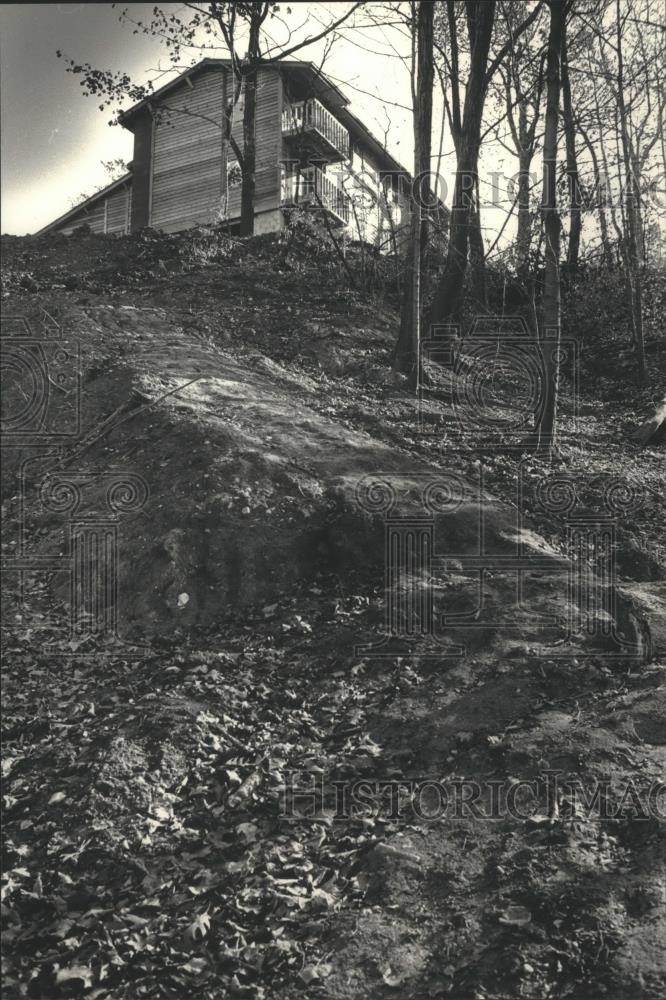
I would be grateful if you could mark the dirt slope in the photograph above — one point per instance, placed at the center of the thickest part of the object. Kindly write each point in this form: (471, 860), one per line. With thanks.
(148, 850)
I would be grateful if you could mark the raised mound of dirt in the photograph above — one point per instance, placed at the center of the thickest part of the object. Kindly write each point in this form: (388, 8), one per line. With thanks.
(310, 594)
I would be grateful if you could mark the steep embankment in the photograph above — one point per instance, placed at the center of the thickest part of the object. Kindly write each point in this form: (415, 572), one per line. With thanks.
(247, 402)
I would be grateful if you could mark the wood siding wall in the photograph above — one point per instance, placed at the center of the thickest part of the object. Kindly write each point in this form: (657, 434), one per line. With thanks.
(141, 170)
(187, 155)
(108, 215)
(189, 175)
(117, 210)
(94, 218)
(268, 141)
(379, 211)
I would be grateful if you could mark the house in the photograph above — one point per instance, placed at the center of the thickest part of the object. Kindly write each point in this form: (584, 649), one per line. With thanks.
(310, 150)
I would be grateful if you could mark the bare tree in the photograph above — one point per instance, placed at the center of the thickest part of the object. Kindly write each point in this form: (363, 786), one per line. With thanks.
(522, 79)
(633, 196)
(237, 25)
(466, 121)
(422, 76)
(619, 100)
(547, 426)
(569, 122)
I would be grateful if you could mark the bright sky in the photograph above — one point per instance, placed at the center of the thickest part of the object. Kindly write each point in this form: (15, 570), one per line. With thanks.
(53, 138)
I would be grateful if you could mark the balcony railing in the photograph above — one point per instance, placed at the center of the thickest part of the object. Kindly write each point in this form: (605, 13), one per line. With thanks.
(312, 187)
(308, 117)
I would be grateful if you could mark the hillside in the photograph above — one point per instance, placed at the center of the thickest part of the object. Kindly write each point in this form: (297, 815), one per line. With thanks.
(243, 391)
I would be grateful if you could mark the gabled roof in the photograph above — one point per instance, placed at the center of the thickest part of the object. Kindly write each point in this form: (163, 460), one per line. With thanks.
(88, 203)
(305, 73)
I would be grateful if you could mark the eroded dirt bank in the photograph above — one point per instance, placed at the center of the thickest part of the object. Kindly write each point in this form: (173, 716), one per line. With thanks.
(183, 817)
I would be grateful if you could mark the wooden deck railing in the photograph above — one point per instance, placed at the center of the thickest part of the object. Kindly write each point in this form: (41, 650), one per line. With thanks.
(307, 115)
(315, 188)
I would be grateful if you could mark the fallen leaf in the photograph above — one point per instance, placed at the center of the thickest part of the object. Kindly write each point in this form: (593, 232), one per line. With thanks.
(308, 974)
(394, 977)
(81, 972)
(199, 927)
(516, 916)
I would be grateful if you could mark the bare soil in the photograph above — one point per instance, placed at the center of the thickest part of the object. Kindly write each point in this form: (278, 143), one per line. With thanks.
(147, 850)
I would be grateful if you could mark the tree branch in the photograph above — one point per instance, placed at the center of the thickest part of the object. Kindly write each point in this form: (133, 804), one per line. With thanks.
(313, 38)
(499, 58)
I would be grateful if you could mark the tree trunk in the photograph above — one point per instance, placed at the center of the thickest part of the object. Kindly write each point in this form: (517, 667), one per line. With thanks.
(448, 296)
(524, 138)
(408, 348)
(638, 208)
(632, 209)
(547, 423)
(250, 72)
(249, 152)
(446, 303)
(477, 253)
(575, 216)
(524, 233)
(600, 194)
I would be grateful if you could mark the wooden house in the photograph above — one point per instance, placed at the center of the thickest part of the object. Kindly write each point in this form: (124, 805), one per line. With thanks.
(311, 150)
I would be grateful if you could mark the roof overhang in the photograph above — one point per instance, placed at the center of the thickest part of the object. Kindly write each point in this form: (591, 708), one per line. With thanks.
(304, 73)
(88, 203)
(310, 78)
(306, 76)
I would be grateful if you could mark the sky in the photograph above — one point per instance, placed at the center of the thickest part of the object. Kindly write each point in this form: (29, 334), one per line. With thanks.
(54, 139)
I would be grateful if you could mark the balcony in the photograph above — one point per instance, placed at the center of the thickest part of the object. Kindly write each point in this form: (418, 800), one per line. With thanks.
(318, 132)
(314, 188)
